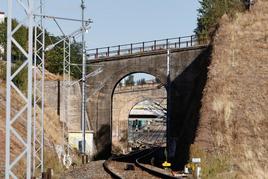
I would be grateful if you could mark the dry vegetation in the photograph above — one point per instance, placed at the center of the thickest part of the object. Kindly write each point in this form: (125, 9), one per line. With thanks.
(234, 114)
(52, 130)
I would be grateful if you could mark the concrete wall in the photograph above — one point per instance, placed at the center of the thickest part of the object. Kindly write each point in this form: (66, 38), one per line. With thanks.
(75, 137)
(187, 66)
(69, 109)
(70, 105)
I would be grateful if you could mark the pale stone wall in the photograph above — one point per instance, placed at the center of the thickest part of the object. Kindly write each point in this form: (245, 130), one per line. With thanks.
(124, 99)
(70, 105)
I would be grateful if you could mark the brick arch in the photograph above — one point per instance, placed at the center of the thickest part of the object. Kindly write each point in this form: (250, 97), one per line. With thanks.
(121, 110)
(105, 96)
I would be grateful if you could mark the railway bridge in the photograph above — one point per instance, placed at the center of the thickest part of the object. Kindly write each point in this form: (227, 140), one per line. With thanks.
(189, 58)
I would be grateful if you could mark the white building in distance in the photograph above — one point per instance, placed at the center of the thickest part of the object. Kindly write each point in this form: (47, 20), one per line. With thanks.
(2, 17)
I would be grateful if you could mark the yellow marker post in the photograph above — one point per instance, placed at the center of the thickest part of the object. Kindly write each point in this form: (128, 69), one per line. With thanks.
(166, 164)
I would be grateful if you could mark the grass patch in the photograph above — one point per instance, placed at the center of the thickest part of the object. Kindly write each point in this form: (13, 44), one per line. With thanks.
(52, 161)
(213, 165)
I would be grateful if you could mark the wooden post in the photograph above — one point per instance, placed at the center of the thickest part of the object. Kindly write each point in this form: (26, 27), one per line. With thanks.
(118, 52)
(87, 158)
(97, 52)
(44, 175)
(49, 173)
(83, 159)
(167, 43)
(58, 104)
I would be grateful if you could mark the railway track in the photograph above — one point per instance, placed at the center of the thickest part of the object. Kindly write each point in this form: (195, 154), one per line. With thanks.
(156, 137)
(136, 165)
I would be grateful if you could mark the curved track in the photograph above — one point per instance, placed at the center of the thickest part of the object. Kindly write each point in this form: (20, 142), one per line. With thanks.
(117, 166)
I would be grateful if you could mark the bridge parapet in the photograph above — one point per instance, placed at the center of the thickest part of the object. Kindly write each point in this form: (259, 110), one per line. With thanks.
(143, 47)
(150, 86)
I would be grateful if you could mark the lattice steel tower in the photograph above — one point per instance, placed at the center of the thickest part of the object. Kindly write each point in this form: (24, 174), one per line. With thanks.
(24, 115)
(39, 78)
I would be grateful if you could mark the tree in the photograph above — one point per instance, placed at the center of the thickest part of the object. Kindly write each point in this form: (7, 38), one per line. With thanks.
(20, 35)
(210, 13)
(120, 84)
(157, 80)
(3, 36)
(130, 80)
(141, 82)
(53, 58)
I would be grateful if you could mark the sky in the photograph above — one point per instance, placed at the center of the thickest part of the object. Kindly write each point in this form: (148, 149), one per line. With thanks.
(123, 21)
(118, 22)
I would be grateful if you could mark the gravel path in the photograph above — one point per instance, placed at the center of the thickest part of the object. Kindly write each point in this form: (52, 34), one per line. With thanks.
(93, 170)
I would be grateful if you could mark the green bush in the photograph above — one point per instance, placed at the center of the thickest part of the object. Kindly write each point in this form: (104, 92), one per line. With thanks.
(2, 70)
(53, 58)
(210, 13)
(21, 79)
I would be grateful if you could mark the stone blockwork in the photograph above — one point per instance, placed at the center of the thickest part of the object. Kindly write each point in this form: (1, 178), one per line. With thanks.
(187, 66)
(124, 99)
(68, 106)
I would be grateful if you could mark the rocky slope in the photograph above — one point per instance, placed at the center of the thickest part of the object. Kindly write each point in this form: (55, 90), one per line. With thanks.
(234, 114)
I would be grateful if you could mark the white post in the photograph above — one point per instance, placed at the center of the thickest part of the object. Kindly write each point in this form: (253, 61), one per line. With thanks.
(168, 103)
(83, 107)
(26, 98)
(38, 114)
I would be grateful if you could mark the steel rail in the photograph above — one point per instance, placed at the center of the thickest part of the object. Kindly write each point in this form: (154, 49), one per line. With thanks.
(138, 157)
(139, 164)
(124, 158)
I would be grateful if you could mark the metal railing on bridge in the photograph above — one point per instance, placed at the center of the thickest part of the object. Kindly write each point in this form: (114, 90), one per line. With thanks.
(142, 47)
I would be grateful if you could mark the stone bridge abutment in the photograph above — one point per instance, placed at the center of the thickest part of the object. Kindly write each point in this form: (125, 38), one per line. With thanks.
(188, 68)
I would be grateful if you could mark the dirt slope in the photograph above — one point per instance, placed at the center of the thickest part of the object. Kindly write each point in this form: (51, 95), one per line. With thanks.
(52, 133)
(234, 114)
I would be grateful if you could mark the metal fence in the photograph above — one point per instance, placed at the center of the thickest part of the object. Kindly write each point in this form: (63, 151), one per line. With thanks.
(142, 47)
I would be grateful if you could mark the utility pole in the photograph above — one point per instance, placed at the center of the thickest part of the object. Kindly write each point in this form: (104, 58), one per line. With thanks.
(83, 105)
(168, 102)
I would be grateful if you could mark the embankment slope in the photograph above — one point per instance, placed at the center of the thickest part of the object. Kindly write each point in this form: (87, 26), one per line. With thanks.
(234, 113)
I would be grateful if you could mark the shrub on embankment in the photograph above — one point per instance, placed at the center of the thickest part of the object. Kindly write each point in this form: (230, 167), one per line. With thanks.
(232, 135)
(53, 58)
(211, 12)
